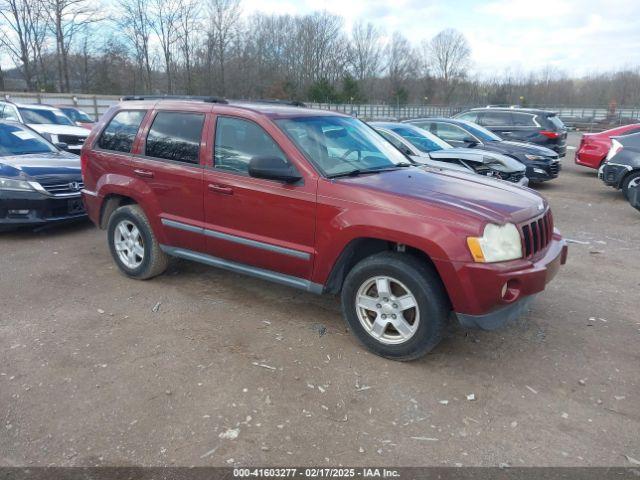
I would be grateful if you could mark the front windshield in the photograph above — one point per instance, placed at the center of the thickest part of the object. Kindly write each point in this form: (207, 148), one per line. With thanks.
(44, 116)
(481, 132)
(421, 139)
(16, 140)
(340, 145)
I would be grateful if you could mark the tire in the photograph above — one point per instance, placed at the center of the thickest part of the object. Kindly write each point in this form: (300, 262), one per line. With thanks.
(627, 180)
(404, 273)
(148, 259)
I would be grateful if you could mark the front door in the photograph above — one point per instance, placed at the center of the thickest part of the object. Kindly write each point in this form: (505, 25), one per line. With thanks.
(263, 224)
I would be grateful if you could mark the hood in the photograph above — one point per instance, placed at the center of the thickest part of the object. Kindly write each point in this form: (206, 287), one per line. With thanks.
(39, 165)
(484, 197)
(479, 155)
(59, 129)
(519, 148)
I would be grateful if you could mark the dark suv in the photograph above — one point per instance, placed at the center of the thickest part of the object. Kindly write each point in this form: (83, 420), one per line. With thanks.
(318, 201)
(541, 127)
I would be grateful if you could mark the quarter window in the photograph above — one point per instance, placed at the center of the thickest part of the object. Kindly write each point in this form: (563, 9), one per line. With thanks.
(121, 131)
(175, 136)
(469, 116)
(238, 141)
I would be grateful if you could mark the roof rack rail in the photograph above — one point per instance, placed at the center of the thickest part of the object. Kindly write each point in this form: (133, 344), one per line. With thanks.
(275, 101)
(196, 98)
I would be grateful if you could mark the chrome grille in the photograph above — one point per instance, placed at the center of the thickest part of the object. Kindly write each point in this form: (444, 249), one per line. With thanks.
(71, 139)
(58, 187)
(536, 234)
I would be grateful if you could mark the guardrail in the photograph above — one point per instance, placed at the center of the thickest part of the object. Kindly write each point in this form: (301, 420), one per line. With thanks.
(581, 117)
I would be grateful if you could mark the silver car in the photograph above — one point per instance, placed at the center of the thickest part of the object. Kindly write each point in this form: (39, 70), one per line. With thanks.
(425, 148)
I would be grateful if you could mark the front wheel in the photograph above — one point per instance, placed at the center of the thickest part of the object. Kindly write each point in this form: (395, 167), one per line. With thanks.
(396, 305)
(628, 182)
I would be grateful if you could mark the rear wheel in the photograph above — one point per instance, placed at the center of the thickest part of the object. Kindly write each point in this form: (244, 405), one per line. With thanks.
(396, 305)
(133, 245)
(628, 181)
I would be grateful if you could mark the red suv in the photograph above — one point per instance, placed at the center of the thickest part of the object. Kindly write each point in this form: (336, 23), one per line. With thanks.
(318, 201)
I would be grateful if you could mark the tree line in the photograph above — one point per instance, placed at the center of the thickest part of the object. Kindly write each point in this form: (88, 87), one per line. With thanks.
(210, 48)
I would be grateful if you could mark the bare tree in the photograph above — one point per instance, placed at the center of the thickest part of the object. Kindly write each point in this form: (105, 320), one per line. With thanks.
(224, 17)
(68, 18)
(165, 22)
(365, 51)
(188, 29)
(23, 24)
(136, 25)
(450, 54)
(401, 64)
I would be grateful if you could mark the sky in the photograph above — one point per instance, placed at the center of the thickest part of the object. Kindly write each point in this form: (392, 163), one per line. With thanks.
(576, 36)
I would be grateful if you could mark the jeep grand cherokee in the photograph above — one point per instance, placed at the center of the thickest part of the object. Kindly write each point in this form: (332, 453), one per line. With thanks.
(318, 201)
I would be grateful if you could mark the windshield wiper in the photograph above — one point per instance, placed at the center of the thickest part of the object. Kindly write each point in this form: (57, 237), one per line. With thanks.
(359, 171)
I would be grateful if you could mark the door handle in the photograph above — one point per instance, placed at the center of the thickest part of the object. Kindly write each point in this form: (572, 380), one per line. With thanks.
(224, 189)
(143, 173)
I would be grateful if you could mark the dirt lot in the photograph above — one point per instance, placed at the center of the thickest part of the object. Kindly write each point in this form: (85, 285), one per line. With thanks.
(229, 370)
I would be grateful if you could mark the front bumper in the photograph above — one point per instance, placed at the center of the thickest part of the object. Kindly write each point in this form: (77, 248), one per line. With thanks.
(477, 295)
(18, 209)
(542, 172)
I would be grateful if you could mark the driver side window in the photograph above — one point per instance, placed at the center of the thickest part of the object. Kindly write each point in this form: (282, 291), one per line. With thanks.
(446, 131)
(237, 141)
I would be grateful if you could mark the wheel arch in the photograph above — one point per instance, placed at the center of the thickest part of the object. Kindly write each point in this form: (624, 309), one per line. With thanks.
(110, 204)
(362, 247)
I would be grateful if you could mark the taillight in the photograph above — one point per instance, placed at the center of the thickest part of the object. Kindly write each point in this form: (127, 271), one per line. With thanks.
(549, 134)
(616, 146)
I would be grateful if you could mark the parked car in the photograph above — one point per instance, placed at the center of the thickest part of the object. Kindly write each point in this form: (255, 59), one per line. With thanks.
(529, 125)
(621, 168)
(39, 183)
(49, 122)
(318, 201)
(79, 117)
(427, 149)
(594, 147)
(542, 163)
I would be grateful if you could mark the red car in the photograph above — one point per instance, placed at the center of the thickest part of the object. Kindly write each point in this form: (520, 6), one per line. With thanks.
(594, 147)
(318, 201)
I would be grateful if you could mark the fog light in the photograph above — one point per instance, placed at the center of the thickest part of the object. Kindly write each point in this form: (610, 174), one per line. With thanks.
(504, 290)
(539, 170)
(510, 291)
(19, 212)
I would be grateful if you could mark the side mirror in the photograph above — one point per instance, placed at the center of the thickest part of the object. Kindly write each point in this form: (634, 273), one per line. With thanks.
(470, 140)
(273, 168)
(62, 146)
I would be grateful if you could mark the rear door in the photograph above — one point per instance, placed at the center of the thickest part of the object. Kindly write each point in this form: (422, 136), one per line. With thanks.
(498, 121)
(258, 223)
(168, 161)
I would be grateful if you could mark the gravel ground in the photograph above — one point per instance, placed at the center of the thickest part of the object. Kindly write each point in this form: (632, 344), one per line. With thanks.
(205, 367)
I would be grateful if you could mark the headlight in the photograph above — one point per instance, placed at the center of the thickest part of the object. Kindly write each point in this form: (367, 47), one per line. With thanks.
(53, 138)
(12, 184)
(534, 157)
(498, 243)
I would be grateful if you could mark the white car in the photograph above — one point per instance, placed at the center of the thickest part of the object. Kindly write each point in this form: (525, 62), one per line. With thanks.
(50, 122)
(427, 149)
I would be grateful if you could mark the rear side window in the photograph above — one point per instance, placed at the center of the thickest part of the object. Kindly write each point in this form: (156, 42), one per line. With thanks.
(238, 141)
(469, 116)
(175, 136)
(447, 132)
(121, 131)
(523, 120)
(496, 119)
